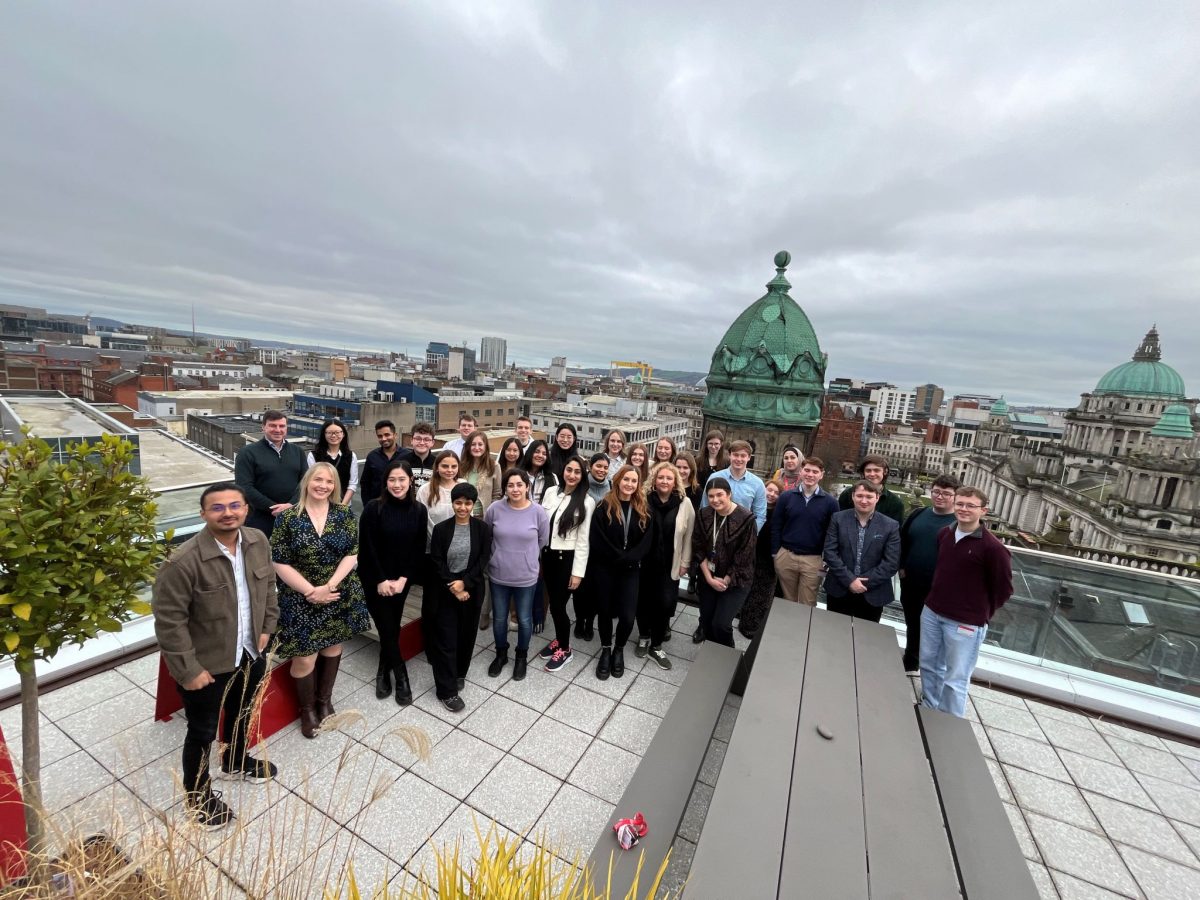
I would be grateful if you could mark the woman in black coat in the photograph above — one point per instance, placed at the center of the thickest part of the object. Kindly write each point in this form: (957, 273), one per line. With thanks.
(459, 551)
(391, 553)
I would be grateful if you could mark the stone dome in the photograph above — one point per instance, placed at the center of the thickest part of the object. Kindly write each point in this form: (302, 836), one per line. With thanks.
(1175, 422)
(768, 366)
(1146, 375)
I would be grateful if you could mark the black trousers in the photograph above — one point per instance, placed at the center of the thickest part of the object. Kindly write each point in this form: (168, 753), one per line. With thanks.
(556, 573)
(913, 592)
(855, 606)
(657, 594)
(717, 609)
(388, 613)
(616, 594)
(449, 627)
(585, 597)
(231, 692)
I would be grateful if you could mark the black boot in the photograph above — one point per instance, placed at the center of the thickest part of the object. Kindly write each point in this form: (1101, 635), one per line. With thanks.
(602, 663)
(519, 664)
(383, 680)
(403, 690)
(498, 663)
(306, 693)
(327, 670)
(618, 662)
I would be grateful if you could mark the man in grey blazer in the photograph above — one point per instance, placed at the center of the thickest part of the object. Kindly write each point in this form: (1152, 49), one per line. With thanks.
(862, 553)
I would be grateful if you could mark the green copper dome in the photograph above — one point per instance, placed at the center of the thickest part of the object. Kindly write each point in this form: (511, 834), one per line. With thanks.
(1175, 422)
(1146, 375)
(1000, 407)
(768, 368)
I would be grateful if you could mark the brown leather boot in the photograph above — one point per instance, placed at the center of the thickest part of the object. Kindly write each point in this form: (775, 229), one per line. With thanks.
(327, 669)
(306, 694)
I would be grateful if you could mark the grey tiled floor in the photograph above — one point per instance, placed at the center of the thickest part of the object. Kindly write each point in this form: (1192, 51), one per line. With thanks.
(1099, 809)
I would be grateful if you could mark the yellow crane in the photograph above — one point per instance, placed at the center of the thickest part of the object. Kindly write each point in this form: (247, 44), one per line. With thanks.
(644, 369)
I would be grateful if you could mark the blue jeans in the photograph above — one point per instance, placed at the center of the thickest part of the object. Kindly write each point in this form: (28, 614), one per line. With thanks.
(949, 651)
(522, 598)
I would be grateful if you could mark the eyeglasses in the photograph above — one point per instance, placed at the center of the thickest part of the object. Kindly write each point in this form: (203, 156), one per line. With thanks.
(235, 506)
(936, 493)
(968, 506)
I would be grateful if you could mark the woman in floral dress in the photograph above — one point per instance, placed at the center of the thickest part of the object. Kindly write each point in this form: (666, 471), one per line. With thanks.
(321, 604)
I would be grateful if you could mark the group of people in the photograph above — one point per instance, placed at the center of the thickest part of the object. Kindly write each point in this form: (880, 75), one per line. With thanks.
(538, 530)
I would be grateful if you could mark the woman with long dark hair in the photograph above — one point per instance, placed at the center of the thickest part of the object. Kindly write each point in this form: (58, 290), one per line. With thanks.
(391, 553)
(333, 449)
(668, 559)
(565, 558)
(537, 463)
(564, 446)
(622, 533)
(510, 455)
(713, 457)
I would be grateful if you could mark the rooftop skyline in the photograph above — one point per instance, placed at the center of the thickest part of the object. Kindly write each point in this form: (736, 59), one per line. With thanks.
(993, 200)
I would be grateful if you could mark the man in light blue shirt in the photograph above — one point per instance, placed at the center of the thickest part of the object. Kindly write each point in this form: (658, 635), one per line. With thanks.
(748, 489)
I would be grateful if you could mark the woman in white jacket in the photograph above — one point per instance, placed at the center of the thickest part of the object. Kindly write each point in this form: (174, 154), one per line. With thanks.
(564, 560)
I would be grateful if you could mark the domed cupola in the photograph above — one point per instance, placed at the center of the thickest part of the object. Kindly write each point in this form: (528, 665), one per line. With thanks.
(1146, 375)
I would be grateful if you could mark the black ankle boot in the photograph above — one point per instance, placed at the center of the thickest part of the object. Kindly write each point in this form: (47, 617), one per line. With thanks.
(383, 681)
(403, 691)
(498, 663)
(519, 664)
(618, 662)
(602, 663)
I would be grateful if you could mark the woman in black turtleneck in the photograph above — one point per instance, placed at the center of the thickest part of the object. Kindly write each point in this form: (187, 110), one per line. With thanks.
(391, 553)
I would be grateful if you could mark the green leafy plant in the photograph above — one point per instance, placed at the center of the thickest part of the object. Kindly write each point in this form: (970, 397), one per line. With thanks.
(77, 541)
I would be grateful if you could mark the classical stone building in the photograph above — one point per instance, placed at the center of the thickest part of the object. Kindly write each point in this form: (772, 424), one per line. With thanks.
(767, 377)
(1125, 474)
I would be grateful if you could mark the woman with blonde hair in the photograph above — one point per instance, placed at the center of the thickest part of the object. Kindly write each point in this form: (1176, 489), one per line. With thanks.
(477, 468)
(614, 449)
(314, 548)
(669, 558)
(622, 533)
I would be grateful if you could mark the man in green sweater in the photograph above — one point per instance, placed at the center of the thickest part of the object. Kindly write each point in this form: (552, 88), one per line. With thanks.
(269, 472)
(875, 470)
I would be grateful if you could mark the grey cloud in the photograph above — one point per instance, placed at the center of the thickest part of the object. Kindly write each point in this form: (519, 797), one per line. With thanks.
(992, 198)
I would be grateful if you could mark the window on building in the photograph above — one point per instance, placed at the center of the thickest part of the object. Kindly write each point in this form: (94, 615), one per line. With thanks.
(1163, 524)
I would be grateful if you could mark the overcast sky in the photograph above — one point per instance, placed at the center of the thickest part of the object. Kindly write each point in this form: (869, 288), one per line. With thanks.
(993, 197)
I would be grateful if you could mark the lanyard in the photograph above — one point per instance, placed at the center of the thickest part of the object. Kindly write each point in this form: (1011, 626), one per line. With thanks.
(627, 515)
(717, 530)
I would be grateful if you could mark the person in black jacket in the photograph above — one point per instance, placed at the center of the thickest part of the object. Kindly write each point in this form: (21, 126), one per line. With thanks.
(391, 552)
(622, 533)
(269, 472)
(723, 547)
(377, 461)
(459, 549)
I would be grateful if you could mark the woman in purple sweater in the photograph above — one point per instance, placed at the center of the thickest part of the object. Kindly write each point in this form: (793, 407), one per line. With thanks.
(520, 528)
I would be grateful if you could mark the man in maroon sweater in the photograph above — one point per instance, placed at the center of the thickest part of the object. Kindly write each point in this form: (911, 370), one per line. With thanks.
(972, 579)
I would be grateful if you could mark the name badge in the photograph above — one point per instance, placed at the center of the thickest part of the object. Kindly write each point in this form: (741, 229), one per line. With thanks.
(967, 630)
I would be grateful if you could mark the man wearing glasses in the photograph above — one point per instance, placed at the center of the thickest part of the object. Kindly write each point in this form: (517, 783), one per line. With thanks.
(420, 454)
(972, 579)
(215, 610)
(918, 555)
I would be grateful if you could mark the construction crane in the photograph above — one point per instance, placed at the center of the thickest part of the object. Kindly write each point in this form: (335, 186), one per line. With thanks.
(645, 370)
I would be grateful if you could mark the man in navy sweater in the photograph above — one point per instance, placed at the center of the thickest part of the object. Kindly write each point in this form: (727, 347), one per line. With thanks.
(971, 580)
(798, 534)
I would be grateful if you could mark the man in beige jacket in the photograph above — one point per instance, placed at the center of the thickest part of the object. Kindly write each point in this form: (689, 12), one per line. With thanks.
(214, 613)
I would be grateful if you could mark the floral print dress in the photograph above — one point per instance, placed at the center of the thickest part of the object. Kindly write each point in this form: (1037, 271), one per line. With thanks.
(305, 628)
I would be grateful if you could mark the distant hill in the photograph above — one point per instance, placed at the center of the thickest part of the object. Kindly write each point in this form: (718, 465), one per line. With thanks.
(678, 376)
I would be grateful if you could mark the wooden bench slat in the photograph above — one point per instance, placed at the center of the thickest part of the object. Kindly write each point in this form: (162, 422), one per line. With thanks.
(908, 852)
(663, 780)
(824, 853)
(742, 839)
(989, 859)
